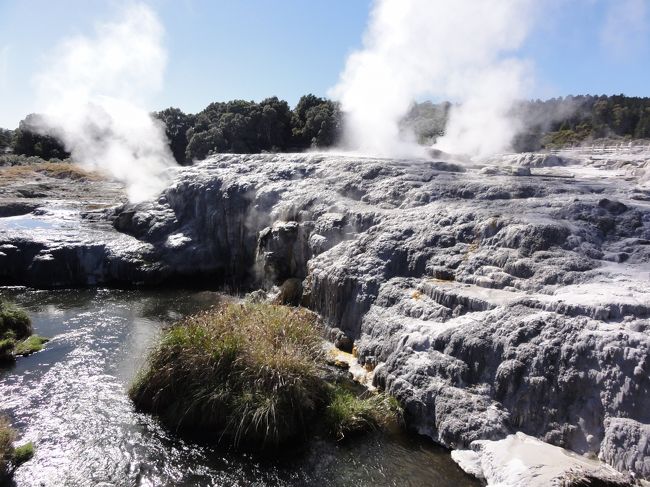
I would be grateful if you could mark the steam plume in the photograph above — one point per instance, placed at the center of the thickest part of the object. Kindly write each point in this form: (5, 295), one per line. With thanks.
(93, 95)
(453, 50)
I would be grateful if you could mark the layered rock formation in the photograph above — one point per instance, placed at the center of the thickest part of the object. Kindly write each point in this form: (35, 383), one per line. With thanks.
(495, 298)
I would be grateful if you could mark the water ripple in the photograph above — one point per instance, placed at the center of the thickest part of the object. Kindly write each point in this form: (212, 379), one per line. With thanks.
(70, 400)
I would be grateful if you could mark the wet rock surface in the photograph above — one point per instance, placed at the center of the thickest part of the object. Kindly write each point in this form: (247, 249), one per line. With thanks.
(506, 296)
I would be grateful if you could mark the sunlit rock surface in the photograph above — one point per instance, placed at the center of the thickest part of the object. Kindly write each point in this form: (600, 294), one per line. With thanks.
(510, 295)
(522, 461)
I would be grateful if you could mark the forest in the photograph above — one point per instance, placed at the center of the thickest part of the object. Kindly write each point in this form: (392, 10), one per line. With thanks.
(240, 126)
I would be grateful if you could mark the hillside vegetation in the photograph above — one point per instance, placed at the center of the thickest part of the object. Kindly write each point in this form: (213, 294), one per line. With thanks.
(241, 126)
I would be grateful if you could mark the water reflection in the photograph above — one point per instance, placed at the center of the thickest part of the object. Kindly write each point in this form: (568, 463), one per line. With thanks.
(70, 399)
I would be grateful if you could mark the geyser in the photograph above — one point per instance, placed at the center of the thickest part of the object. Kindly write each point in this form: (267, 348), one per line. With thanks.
(464, 51)
(93, 96)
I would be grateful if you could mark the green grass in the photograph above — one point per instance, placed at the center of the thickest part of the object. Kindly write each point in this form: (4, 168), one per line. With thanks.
(10, 457)
(349, 414)
(23, 453)
(30, 345)
(7, 437)
(14, 320)
(248, 373)
(252, 376)
(16, 333)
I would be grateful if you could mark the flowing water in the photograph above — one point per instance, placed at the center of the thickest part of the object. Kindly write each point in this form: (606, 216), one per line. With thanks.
(70, 400)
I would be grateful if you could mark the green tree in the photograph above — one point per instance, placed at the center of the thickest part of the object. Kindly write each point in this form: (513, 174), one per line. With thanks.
(203, 143)
(643, 126)
(5, 139)
(29, 140)
(176, 124)
(316, 122)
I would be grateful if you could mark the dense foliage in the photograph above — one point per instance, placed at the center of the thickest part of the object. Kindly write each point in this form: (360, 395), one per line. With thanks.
(240, 126)
(246, 373)
(16, 333)
(176, 125)
(252, 375)
(5, 139)
(348, 413)
(557, 122)
(426, 121)
(28, 140)
(316, 122)
(11, 457)
(576, 119)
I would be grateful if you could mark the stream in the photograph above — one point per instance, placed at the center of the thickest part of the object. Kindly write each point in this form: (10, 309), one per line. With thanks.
(70, 400)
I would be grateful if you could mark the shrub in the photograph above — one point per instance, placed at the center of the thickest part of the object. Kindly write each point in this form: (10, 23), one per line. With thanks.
(348, 413)
(30, 345)
(7, 437)
(23, 453)
(248, 373)
(254, 376)
(13, 321)
(16, 333)
(10, 457)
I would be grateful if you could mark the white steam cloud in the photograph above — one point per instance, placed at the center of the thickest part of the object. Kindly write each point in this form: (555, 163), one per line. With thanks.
(93, 95)
(463, 51)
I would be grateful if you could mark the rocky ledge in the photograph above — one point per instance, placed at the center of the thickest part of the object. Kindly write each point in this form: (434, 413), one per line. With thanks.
(492, 299)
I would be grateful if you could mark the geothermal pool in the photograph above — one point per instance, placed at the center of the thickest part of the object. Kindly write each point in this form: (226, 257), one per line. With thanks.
(70, 400)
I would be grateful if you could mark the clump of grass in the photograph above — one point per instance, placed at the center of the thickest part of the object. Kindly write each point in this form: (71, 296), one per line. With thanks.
(7, 437)
(253, 376)
(57, 170)
(30, 345)
(14, 321)
(23, 453)
(16, 333)
(10, 457)
(349, 413)
(14, 325)
(247, 372)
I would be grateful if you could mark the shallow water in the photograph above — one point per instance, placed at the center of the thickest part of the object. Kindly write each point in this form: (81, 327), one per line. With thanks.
(55, 217)
(26, 222)
(70, 400)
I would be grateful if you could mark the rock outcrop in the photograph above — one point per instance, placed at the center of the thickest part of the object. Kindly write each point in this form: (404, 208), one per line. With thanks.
(490, 300)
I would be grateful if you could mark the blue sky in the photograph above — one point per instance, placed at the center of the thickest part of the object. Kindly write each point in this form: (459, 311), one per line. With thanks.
(251, 49)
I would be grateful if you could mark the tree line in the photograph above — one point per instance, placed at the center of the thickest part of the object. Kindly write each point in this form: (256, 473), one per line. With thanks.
(548, 124)
(573, 120)
(240, 126)
(236, 126)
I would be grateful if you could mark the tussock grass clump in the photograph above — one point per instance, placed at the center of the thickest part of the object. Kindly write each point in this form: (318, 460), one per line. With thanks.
(247, 372)
(7, 437)
(14, 320)
(10, 457)
(30, 345)
(57, 170)
(16, 333)
(15, 325)
(349, 413)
